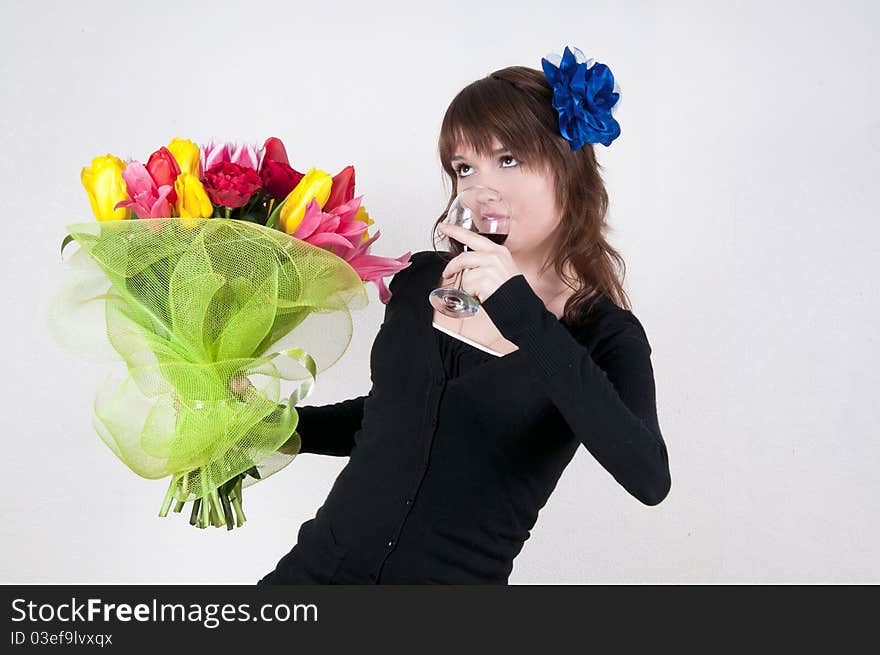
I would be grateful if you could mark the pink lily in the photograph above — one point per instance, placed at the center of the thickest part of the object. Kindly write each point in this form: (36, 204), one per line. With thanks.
(147, 200)
(338, 227)
(372, 268)
(341, 233)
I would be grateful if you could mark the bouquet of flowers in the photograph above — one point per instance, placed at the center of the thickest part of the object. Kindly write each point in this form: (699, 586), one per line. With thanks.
(216, 272)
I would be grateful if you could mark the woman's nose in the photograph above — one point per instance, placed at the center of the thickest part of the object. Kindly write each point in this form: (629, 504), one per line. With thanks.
(487, 182)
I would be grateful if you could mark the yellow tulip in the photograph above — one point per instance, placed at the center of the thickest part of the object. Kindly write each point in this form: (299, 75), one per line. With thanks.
(105, 186)
(186, 154)
(192, 199)
(362, 215)
(315, 184)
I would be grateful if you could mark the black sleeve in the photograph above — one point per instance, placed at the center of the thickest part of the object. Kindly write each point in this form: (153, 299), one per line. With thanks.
(330, 429)
(609, 404)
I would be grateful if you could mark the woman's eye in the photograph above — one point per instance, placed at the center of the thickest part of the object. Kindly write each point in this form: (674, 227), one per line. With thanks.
(459, 170)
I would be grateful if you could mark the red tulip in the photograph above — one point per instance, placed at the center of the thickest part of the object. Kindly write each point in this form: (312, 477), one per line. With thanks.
(342, 190)
(273, 150)
(279, 179)
(164, 170)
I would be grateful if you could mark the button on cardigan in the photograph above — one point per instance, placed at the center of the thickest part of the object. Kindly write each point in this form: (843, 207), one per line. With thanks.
(446, 475)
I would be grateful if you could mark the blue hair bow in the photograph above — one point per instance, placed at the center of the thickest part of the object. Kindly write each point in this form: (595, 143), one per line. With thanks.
(583, 96)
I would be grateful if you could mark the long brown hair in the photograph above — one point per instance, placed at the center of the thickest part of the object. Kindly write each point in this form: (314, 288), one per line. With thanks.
(514, 105)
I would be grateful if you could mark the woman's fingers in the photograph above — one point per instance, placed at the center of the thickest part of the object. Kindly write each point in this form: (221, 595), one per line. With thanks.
(239, 385)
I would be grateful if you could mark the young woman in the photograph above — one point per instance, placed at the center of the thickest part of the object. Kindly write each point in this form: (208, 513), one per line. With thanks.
(470, 423)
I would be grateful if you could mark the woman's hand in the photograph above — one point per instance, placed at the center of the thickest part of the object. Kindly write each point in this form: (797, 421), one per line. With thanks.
(241, 386)
(490, 265)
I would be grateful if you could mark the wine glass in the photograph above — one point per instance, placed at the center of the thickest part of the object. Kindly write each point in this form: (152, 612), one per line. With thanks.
(482, 210)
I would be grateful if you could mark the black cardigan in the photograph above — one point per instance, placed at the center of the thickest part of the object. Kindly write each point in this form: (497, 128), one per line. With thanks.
(446, 477)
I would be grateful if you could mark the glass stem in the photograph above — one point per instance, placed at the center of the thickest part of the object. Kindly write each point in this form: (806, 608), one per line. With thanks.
(461, 272)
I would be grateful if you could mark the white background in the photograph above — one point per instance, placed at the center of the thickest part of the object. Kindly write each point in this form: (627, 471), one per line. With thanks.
(740, 199)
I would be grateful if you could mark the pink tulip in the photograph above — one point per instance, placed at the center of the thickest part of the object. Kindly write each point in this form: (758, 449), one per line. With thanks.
(244, 155)
(147, 200)
(213, 153)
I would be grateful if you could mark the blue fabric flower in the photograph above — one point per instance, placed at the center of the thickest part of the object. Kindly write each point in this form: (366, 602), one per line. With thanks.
(583, 97)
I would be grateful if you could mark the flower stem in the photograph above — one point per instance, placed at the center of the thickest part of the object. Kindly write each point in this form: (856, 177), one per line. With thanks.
(205, 512)
(169, 496)
(246, 209)
(227, 510)
(272, 221)
(184, 491)
(217, 508)
(235, 494)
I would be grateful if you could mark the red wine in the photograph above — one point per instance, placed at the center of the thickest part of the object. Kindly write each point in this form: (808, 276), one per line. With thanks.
(494, 237)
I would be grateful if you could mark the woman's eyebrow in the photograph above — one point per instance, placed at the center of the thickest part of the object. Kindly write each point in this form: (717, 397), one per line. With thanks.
(497, 151)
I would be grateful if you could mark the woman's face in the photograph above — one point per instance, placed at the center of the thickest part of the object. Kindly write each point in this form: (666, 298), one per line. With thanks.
(529, 193)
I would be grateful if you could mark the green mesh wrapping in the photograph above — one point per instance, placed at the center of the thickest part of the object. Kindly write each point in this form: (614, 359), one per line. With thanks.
(194, 307)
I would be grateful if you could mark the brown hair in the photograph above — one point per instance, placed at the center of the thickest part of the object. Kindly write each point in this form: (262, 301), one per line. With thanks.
(515, 106)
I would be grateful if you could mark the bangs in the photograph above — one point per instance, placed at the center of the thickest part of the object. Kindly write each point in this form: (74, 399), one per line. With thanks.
(490, 109)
